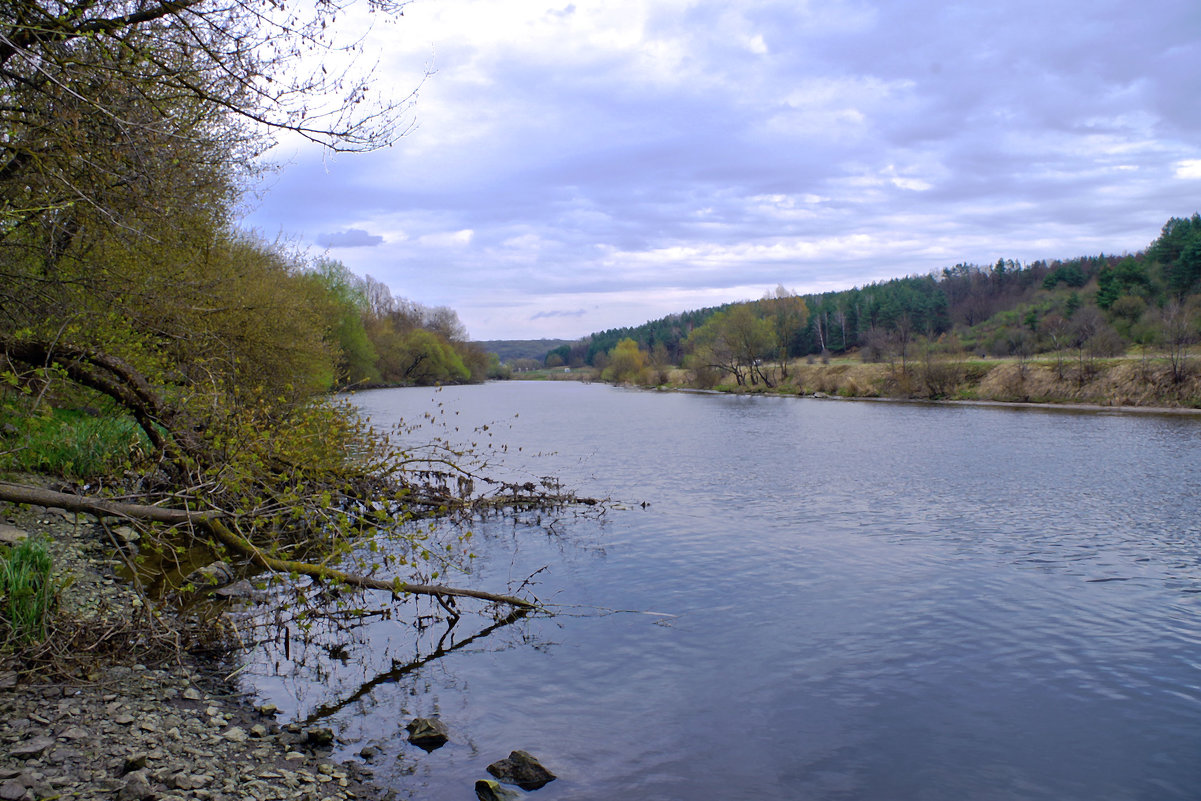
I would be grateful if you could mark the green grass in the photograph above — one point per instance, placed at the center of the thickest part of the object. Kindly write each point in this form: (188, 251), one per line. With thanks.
(69, 443)
(27, 593)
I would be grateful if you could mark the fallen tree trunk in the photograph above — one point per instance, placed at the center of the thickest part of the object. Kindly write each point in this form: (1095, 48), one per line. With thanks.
(213, 522)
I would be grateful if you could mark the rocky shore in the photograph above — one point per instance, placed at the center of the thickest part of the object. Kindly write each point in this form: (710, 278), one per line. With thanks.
(120, 729)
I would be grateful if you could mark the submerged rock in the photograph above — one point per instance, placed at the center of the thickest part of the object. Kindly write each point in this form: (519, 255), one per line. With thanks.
(427, 733)
(239, 589)
(488, 790)
(523, 770)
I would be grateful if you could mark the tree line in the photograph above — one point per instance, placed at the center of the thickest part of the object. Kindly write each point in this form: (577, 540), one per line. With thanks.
(1100, 305)
(130, 131)
(379, 339)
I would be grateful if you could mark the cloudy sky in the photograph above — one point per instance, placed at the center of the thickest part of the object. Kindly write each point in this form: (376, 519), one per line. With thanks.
(584, 164)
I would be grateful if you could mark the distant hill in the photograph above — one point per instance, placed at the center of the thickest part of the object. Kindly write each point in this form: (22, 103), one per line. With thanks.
(509, 349)
(1101, 304)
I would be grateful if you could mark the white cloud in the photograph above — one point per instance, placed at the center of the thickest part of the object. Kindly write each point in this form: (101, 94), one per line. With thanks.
(755, 44)
(630, 158)
(350, 238)
(1188, 168)
(447, 239)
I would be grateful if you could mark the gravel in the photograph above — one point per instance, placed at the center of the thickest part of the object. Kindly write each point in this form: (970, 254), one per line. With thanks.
(133, 732)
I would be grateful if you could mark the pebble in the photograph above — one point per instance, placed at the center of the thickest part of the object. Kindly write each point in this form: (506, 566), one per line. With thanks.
(143, 732)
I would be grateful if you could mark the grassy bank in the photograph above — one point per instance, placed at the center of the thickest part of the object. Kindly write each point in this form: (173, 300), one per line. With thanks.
(1138, 381)
(70, 443)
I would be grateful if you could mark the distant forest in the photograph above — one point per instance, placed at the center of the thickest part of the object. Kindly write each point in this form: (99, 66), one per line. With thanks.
(1107, 303)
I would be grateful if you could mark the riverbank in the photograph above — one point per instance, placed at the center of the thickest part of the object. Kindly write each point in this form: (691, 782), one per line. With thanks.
(1108, 383)
(1131, 382)
(136, 719)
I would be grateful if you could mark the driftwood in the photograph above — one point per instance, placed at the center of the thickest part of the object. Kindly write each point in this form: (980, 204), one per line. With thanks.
(213, 522)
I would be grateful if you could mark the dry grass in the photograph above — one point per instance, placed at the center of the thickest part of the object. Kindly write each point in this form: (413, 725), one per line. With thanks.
(1128, 381)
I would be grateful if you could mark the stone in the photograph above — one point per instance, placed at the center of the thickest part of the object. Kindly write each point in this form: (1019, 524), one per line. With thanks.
(258, 730)
(522, 769)
(124, 719)
(489, 790)
(320, 736)
(427, 733)
(75, 733)
(127, 534)
(134, 762)
(31, 748)
(12, 790)
(192, 694)
(238, 735)
(180, 781)
(136, 788)
(11, 535)
(239, 589)
(218, 574)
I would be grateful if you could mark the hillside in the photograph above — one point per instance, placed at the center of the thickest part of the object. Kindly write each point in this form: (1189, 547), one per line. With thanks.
(1103, 305)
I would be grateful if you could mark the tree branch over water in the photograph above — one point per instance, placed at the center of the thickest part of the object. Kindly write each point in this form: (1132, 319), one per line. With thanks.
(214, 523)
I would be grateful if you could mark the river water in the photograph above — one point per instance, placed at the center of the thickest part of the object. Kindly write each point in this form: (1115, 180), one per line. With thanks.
(801, 599)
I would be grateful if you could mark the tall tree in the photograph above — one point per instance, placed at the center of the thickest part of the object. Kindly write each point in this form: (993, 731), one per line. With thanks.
(788, 314)
(736, 342)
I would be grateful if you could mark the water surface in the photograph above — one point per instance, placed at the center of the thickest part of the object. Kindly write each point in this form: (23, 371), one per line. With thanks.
(826, 600)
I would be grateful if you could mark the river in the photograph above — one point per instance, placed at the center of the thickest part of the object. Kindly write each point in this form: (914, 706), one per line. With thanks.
(801, 599)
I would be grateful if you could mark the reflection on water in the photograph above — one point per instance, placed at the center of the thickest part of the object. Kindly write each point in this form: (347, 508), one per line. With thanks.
(850, 600)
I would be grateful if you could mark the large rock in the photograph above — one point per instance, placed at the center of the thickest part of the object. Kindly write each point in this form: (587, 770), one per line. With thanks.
(427, 733)
(523, 770)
